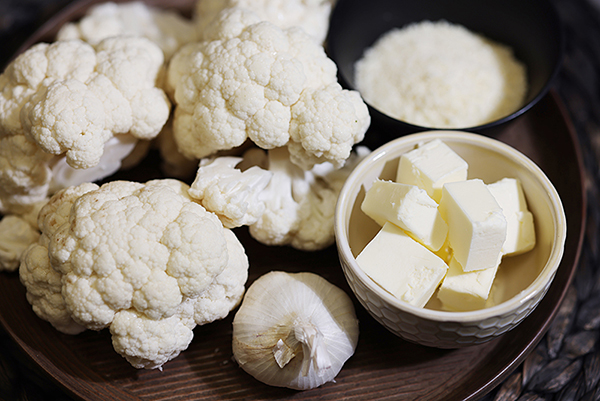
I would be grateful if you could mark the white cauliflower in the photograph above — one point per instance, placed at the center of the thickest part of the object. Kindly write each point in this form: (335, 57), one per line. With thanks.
(148, 343)
(164, 27)
(28, 175)
(16, 234)
(25, 174)
(310, 15)
(280, 202)
(68, 100)
(43, 283)
(227, 290)
(70, 97)
(228, 192)
(300, 205)
(141, 259)
(322, 126)
(168, 29)
(252, 80)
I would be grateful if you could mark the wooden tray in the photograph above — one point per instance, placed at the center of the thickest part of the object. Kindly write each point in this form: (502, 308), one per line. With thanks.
(383, 366)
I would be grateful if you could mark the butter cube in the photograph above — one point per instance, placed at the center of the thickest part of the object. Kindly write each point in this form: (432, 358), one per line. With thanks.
(410, 208)
(520, 231)
(462, 291)
(430, 166)
(402, 266)
(476, 224)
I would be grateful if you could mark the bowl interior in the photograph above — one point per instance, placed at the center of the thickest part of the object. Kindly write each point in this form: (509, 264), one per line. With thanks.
(490, 161)
(532, 28)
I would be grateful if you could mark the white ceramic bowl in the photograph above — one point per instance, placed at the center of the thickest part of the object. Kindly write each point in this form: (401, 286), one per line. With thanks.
(521, 282)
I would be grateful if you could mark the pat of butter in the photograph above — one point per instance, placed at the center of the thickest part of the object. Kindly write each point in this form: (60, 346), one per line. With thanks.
(462, 291)
(410, 208)
(430, 166)
(402, 266)
(520, 231)
(476, 224)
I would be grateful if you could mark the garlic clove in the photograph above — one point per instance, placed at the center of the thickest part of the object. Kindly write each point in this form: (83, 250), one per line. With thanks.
(282, 353)
(294, 330)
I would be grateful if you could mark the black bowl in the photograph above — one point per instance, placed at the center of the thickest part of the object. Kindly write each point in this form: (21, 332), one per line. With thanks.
(531, 28)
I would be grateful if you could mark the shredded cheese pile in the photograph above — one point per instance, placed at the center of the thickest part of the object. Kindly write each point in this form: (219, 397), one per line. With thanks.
(441, 75)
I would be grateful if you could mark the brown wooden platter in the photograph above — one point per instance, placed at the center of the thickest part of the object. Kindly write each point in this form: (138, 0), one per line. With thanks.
(383, 367)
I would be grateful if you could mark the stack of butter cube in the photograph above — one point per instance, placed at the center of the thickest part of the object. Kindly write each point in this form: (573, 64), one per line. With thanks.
(442, 232)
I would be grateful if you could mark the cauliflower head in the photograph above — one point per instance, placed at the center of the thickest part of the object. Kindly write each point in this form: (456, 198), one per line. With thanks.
(147, 343)
(166, 28)
(71, 113)
(70, 98)
(141, 259)
(310, 15)
(250, 79)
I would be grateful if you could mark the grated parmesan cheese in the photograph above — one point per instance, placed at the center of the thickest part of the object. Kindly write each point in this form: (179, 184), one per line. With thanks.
(441, 75)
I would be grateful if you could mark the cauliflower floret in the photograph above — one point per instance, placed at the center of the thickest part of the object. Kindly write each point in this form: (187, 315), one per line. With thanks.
(16, 234)
(131, 256)
(227, 290)
(166, 28)
(319, 128)
(25, 174)
(76, 97)
(228, 192)
(136, 245)
(311, 15)
(43, 283)
(280, 202)
(53, 119)
(252, 80)
(146, 343)
(300, 205)
(70, 103)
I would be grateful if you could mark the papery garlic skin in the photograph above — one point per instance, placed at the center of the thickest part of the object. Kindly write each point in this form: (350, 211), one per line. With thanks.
(294, 330)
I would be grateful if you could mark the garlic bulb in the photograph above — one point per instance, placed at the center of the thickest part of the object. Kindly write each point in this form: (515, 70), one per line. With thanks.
(294, 330)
